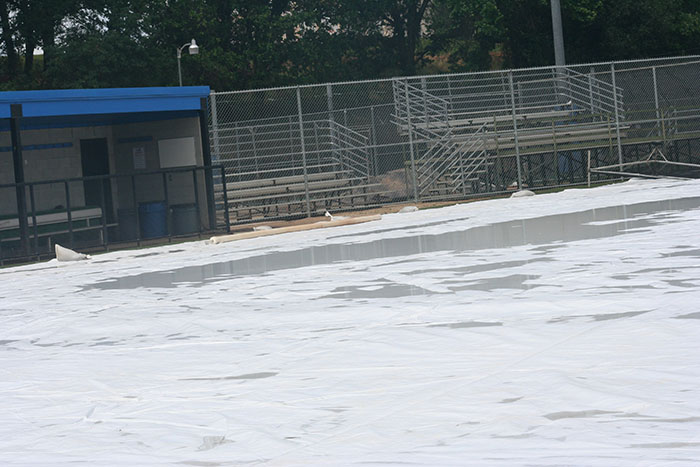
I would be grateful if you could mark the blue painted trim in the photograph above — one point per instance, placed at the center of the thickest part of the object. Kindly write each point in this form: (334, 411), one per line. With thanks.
(77, 121)
(102, 101)
(38, 147)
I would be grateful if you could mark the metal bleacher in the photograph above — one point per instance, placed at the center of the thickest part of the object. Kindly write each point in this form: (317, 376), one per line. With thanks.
(280, 169)
(462, 127)
(296, 151)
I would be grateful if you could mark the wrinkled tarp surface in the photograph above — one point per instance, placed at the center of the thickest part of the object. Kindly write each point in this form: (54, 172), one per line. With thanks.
(560, 329)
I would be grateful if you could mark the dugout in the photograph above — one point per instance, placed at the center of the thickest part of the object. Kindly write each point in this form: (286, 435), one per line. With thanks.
(101, 160)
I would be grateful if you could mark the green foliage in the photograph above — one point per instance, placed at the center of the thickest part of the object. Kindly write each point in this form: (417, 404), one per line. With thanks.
(245, 44)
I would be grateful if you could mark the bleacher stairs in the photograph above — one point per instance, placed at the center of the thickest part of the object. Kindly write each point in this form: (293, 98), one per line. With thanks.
(457, 137)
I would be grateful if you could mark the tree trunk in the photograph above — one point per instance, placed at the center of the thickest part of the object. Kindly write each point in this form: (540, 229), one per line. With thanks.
(48, 42)
(407, 25)
(29, 55)
(412, 33)
(12, 60)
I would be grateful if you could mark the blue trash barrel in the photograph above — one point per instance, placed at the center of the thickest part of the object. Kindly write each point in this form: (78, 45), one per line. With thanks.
(153, 220)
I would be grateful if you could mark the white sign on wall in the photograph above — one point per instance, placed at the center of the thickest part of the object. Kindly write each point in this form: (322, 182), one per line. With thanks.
(177, 152)
(139, 153)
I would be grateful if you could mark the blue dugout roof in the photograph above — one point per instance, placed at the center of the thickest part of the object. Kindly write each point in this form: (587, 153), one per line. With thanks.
(73, 102)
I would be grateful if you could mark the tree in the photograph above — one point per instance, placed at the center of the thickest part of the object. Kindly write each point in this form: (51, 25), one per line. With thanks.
(646, 28)
(7, 38)
(395, 26)
(107, 46)
(244, 44)
(466, 31)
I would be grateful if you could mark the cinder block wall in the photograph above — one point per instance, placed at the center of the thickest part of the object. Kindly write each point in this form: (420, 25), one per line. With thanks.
(150, 187)
(44, 161)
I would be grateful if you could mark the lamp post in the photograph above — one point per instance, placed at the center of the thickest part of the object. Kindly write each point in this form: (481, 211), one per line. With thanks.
(559, 58)
(558, 34)
(193, 49)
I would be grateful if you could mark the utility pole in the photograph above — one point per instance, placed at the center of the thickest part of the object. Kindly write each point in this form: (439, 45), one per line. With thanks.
(559, 59)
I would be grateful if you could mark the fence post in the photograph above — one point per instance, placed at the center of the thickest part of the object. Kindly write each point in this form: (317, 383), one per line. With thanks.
(590, 90)
(214, 125)
(255, 151)
(69, 214)
(223, 187)
(426, 114)
(303, 153)
(503, 86)
(656, 101)
(373, 142)
(410, 145)
(317, 149)
(166, 196)
(589, 168)
(331, 124)
(329, 100)
(237, 159)
(515, 129)
(206, 158)
(18, 165)
(34, 226)
(449, 89)
(555, 80)
(617, 115)
(136, 210)
(103, 207)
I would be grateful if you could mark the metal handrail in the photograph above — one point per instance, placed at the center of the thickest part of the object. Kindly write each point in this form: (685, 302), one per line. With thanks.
(359, 162)
(429, 172)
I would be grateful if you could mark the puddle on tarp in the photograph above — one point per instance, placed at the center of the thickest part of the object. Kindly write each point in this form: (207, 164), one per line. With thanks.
(695, 315)
(584, 225)
(600, 317)
(261, 375)
(383, 290)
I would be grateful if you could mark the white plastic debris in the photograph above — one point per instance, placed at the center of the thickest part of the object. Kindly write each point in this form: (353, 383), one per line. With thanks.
(522, 194)
(408, 209)
(261, 227)
(334, 218)
(66, 254)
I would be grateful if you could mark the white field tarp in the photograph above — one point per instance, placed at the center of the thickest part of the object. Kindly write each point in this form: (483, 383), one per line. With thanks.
(550, 352)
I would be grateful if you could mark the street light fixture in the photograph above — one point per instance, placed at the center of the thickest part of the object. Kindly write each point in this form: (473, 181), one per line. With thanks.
(193, 49)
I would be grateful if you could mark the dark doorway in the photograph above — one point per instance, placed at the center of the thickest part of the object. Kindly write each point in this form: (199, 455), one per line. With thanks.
(94, 157)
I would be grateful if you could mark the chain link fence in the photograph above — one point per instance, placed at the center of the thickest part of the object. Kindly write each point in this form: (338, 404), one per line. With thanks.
(299, 151)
